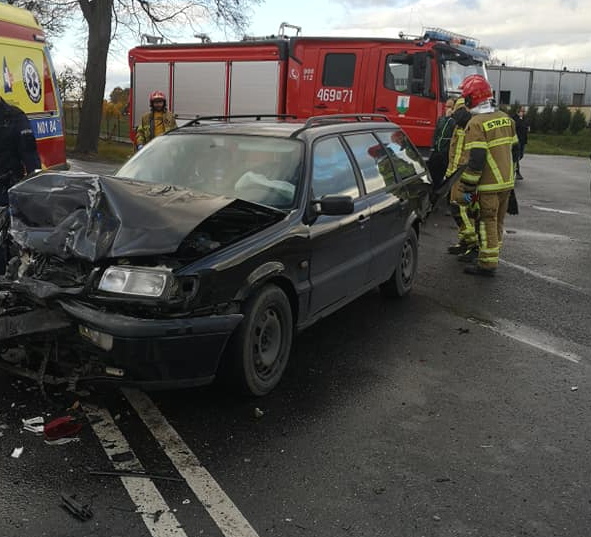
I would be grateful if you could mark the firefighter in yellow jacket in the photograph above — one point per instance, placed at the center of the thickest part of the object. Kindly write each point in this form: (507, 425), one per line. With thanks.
(491, 147)
(155, 122)
(463, 213)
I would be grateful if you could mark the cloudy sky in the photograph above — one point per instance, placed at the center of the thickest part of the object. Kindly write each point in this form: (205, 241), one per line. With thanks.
(530, 33)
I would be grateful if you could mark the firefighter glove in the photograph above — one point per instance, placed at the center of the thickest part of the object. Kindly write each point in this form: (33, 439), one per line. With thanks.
(470, 197)
(139, 146)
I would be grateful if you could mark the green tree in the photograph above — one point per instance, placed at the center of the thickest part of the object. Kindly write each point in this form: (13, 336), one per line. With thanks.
(107, 19)
(578, 122)
(533, 118)
(546, 119)
(514, 109)
(560, 118)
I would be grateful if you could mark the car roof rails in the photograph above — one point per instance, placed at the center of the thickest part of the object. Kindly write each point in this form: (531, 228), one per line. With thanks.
(256, 117)
(318, 121)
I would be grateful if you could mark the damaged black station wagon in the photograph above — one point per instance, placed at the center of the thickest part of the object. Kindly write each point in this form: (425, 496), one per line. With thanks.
(208, 250)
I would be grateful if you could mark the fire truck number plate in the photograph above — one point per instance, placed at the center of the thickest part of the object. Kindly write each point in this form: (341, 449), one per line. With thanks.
(335, 95)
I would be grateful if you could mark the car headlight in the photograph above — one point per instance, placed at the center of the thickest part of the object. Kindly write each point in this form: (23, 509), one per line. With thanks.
(138, 281)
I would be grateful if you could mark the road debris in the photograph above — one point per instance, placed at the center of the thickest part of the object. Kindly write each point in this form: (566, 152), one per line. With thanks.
(75, 508)
(186, 502)
(63, 427)
(258, 413)
(62, 441)
(126, 473)
(436, 518)
(574, 388)
(463, 330)
(17, 452)
(34, 425)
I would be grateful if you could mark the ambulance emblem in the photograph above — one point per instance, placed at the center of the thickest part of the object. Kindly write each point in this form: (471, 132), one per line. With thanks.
(31, 80)
(7, 77)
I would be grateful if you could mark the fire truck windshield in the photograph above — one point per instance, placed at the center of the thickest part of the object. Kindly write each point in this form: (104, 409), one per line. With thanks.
(454, 72)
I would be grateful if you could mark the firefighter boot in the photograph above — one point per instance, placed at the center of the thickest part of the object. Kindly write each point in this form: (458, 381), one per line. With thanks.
(477, 270)
(469, 256)
(458, 248)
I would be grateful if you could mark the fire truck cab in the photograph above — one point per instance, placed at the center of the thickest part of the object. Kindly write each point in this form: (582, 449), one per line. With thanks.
(406, 79)
(29, 82)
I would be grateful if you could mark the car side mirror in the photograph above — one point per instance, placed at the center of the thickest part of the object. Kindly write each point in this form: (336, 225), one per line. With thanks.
(333, 205)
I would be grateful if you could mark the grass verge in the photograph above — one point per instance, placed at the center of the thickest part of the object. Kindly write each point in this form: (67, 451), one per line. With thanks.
(574, 145)
(107, 151)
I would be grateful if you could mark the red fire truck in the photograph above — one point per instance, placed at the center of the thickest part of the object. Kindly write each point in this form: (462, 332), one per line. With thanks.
(28, 81)
(407, 79)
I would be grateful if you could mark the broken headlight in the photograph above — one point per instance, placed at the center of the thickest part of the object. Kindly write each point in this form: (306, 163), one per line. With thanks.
(137, 281)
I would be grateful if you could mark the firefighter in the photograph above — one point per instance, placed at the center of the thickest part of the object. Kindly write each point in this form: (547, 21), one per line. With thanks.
(18, 155)
(463, 213)
(491, 148)
(155, 122)
(439, 158)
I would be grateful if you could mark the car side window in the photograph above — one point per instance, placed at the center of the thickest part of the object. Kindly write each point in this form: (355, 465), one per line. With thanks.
(406, 159)
(376, 167)
(332, 171)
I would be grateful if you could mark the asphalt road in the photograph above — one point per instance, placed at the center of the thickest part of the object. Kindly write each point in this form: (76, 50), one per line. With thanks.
(458, 411)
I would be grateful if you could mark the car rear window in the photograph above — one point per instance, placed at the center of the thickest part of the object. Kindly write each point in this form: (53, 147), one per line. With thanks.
(406, 159)
(374, 164)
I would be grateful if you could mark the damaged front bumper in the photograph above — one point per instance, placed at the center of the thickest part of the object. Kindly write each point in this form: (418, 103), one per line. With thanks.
(91, 344)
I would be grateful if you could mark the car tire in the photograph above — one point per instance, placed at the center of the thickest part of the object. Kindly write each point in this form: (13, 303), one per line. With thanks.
(259, 350)
(401, 281)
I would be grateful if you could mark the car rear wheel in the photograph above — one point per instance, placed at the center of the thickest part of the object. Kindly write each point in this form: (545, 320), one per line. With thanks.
(259, 350)
(400, 283)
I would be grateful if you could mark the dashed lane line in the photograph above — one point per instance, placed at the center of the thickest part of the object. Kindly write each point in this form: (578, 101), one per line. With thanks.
(154, 510)
(220, 507)
(549, 279)
(568, 350)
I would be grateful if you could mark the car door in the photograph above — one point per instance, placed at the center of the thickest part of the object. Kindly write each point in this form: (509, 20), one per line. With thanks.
(340, 245)
(389, 206)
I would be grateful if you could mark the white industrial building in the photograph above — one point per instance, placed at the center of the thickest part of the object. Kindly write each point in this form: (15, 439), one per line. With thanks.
(540, 87)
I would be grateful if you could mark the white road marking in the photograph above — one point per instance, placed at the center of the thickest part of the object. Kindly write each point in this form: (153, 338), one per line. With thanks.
(549, 279)
(537, 339)
(219, 506)
(550, 210)
(154, 510)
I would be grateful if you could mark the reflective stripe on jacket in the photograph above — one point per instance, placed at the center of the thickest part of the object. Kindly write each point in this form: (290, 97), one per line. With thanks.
(456, 149)
(145, 130)
(494, 134)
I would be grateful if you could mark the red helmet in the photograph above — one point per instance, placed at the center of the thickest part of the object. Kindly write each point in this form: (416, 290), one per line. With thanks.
(475, 90)
(157, 96)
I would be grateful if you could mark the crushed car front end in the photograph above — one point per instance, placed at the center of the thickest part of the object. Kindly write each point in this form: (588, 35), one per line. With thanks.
(97, 287)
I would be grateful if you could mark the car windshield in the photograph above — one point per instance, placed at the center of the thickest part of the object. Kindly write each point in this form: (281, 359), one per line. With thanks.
(260, 169)
(454, 72)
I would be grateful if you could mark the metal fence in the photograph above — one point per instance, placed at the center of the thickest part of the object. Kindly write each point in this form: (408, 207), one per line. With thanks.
(115, 129)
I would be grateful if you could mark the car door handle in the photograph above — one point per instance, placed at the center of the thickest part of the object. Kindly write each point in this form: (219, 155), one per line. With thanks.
(320, 106)
(363, 218)
(382, 109)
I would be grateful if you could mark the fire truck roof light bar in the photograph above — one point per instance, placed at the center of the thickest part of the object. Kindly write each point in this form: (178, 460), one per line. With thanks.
(256, 117)
(439, 34)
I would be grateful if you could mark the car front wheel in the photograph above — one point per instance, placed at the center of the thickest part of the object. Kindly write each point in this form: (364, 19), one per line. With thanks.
(259, 350)
(400, 283)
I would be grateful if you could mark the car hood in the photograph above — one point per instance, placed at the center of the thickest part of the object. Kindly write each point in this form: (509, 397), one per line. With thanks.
(94, 217)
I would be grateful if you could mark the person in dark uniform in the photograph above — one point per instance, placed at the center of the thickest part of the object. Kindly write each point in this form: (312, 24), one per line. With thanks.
(522, 128)
(18, 155)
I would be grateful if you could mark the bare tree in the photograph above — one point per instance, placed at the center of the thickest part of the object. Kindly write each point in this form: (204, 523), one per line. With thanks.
(53, 16)
(107, 19)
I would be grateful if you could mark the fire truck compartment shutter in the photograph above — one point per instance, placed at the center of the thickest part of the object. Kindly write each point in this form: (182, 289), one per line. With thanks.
(199, 89)
(255, 87)
(148, 77)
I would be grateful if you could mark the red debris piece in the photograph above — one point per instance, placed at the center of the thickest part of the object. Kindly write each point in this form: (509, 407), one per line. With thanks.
(63, 427)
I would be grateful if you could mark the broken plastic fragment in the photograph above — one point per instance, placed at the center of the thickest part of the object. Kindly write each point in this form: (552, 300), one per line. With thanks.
(258, 413)
(62, 427)
(574, 388)
(62, 441)
(186, 502)
(34, 425)
(17, 452)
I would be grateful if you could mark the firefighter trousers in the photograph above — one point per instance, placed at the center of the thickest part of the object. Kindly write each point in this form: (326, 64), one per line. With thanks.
(493, 207)
(465, 218)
